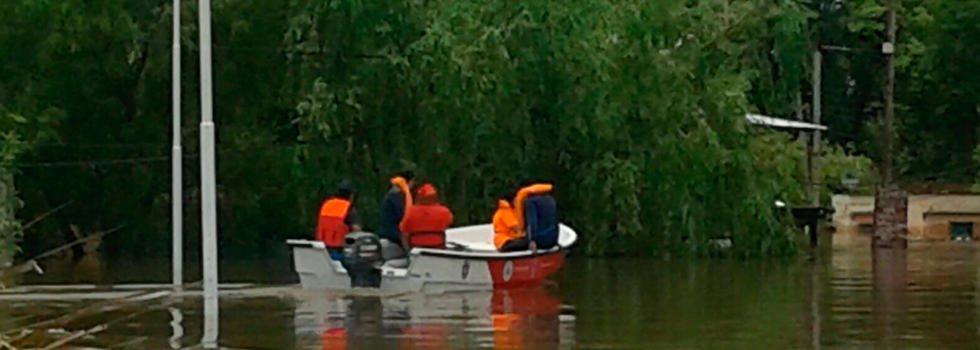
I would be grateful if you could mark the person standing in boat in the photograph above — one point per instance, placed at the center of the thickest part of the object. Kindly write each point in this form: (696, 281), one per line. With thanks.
(337, 218)
(507, 233)
(537, 212)
(426, 221)
(394, 205)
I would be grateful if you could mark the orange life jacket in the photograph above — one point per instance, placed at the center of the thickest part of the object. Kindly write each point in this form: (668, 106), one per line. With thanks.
(425, 225)
(402, 185)
(330, 227)
(503, 224)
(523, 194)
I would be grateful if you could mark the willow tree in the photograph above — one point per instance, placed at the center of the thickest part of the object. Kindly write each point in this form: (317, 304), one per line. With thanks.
(634, 109)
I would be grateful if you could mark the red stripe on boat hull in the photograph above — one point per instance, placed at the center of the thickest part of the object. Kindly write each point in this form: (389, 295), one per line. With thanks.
(526, 271)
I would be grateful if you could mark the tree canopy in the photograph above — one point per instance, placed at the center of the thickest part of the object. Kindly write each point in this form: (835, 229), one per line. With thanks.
(633, 109)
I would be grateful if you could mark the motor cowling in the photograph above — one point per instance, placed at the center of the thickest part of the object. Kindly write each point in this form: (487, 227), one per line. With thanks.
(363, 259)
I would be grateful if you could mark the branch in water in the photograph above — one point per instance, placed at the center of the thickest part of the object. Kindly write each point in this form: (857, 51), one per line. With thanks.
(45, 215)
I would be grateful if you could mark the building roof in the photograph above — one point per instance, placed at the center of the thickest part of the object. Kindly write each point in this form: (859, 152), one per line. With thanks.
(758, 119)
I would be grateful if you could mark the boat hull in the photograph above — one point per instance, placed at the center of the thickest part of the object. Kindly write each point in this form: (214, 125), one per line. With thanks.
(437, 270)
(431, 273)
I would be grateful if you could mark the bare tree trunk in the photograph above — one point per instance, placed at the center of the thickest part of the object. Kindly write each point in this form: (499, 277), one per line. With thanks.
(9, 227)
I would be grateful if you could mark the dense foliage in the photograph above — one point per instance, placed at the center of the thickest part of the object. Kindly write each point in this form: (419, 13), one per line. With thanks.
(10, 145)
(937, 105)
(632, 108)
(17, 134)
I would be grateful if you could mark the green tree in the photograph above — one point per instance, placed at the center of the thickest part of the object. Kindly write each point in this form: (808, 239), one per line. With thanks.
(940, 109)
(633, 109)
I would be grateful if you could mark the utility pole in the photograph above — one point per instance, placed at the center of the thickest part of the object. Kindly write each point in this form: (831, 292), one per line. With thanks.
(208, 197)
(888, 49)
(177, 193)
(891, 202)
(888, 263)
(815, 179)
(888, 245)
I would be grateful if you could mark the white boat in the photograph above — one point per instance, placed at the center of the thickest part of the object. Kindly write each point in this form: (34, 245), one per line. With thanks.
(478, 266)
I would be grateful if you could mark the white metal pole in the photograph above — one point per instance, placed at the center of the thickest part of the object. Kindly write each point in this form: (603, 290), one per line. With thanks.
(208, 198)
(177, 194)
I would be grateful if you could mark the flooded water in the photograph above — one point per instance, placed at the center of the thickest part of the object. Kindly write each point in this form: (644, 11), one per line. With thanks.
(834, 302)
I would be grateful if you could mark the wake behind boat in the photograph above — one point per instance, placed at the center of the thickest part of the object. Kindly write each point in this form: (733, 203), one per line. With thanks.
(470, 263)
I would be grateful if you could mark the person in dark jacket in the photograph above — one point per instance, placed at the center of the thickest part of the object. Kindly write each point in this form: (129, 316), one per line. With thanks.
(539, 214)
(393, 206)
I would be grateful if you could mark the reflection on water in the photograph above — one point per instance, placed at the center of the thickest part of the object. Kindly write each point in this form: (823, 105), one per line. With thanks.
(177, 328)
(211, 320)
(840, 301)
(518, 319)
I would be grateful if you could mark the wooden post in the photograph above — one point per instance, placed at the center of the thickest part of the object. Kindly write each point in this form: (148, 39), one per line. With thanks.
(815, 179)
(804, 140)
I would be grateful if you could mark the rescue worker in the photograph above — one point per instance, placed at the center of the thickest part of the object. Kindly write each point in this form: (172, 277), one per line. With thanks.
(426, 221)
(394, 205)
(337, 218)
(507, 233)
(537, 213)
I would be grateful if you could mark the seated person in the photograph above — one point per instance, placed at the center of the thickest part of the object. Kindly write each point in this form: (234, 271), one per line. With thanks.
(426, 221)
(538, 213)
(337, 218)
(507, 234)
(394, 205)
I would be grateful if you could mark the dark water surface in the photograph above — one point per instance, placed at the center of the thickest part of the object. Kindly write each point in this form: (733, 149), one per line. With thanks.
(832, 303)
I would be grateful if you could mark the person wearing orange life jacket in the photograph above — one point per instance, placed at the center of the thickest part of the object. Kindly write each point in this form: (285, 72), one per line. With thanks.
(337, 217)
(507, 233)
(537, 213)
(426, 221)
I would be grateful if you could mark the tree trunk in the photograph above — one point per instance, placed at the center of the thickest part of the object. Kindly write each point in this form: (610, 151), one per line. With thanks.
(9, 228)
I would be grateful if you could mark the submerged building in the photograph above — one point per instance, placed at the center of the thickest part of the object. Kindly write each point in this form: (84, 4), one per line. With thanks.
(933, 214)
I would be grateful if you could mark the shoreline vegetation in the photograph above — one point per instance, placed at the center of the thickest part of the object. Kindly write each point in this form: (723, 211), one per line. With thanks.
(634, 110)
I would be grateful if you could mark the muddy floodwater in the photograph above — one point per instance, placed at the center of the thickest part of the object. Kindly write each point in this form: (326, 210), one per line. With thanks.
(833, 302)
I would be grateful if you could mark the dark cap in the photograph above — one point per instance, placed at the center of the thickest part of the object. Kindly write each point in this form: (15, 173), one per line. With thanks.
(345, 189)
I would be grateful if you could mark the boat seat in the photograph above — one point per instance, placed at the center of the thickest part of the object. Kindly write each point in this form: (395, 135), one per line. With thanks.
(394, 271)
(391, 251)
(337, 266)
(395, 263)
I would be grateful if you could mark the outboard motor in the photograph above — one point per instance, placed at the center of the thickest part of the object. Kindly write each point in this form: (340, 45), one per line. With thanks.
(362, 259)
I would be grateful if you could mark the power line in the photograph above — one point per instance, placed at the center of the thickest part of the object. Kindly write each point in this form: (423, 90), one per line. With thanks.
(92, 163)
(103, 145)
(230, 150)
